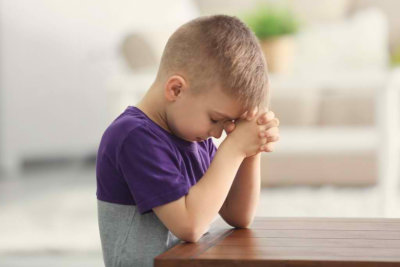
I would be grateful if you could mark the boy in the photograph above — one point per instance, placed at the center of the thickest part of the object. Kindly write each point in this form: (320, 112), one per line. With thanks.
(160, 178)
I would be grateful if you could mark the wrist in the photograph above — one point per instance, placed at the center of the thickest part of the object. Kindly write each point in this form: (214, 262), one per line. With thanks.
(253, 157)
(230, 145)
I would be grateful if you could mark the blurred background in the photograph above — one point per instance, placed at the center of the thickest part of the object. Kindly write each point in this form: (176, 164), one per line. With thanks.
(68, 68)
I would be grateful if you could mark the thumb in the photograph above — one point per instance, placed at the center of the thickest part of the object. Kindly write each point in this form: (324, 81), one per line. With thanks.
(229, 127)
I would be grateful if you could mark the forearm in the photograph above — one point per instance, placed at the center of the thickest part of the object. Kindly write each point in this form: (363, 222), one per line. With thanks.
(206, 198)
(243, 197)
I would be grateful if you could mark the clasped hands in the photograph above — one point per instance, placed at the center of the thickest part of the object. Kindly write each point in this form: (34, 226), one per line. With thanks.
(270, 132)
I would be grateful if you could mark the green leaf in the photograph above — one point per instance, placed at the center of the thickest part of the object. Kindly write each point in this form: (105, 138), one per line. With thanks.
(269, 21)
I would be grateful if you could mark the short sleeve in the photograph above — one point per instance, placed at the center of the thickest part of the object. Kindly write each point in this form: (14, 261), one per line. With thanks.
(212, 149)
(151, 168)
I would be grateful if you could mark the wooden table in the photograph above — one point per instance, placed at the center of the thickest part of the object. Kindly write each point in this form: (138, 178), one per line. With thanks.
(293, 242)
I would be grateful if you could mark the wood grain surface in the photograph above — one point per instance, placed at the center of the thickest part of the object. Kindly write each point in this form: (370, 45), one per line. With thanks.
(293, 242)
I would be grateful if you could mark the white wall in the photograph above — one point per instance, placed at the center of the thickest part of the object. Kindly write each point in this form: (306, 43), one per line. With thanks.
(55, 59)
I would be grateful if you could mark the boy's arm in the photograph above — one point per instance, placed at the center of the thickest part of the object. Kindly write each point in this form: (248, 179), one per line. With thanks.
(241, 203)
(190, 216)
(206, 198)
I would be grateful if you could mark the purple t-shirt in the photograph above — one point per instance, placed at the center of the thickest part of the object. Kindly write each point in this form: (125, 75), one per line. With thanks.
(139, 163)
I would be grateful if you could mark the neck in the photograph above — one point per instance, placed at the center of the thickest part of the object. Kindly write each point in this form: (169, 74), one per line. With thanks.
(153, 106)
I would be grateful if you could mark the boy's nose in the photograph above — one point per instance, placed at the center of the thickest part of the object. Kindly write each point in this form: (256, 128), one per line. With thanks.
(217, 132)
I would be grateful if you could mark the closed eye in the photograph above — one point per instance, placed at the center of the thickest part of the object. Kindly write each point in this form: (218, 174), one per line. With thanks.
(213, 121)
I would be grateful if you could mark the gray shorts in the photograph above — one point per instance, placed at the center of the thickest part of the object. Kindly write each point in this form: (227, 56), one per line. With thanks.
(129, 238)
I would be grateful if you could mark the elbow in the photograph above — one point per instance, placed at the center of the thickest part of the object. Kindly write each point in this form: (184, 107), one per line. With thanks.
(196, 234)
(191, 237)
(190, 234)
(244, 224)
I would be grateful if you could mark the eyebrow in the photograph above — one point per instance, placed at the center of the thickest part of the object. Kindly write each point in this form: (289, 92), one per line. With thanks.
(224, 115)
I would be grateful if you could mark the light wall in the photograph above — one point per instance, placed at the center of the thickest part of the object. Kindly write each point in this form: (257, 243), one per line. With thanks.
(56, 58)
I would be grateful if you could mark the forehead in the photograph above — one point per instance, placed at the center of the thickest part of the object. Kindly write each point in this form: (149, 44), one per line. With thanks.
(224, 105)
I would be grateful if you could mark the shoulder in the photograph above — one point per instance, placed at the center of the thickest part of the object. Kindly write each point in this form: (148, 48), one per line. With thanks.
(134, 124)
(121, 126)
(143, 141)
(132, 130)
(145, 135)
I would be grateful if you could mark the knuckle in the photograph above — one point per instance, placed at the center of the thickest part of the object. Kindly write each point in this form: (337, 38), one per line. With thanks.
(271, 147)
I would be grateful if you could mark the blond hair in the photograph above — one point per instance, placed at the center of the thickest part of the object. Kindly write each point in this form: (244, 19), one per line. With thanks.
(218, 50)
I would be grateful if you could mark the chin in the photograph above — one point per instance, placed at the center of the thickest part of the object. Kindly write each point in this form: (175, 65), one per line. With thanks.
(189, 139)
(192, 139)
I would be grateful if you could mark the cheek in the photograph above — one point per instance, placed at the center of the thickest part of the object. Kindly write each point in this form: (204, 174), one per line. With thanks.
(175, 124)
(197, 127)
(187, 128)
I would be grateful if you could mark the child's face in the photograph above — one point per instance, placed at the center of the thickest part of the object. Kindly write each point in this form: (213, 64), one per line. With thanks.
(196, 118)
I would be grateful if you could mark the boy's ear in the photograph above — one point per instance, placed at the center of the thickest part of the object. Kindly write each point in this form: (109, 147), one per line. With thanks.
(174, 87)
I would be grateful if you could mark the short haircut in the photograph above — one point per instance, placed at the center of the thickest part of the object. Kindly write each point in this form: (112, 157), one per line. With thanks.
(218, 50)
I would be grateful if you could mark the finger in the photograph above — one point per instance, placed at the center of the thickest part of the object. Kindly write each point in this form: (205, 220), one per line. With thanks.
(274, 131)
(263, 134)
(253, 113)
(262, 119)
(262, 109)
(229, 126)
(271, 124)
(269, 147)
(266, 117)
(274, 138)
(263, 141)
(262, 148)
(270, 115)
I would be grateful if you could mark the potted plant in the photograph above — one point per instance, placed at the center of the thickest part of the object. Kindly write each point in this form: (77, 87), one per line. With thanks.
(275, 28)
(395, 57)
